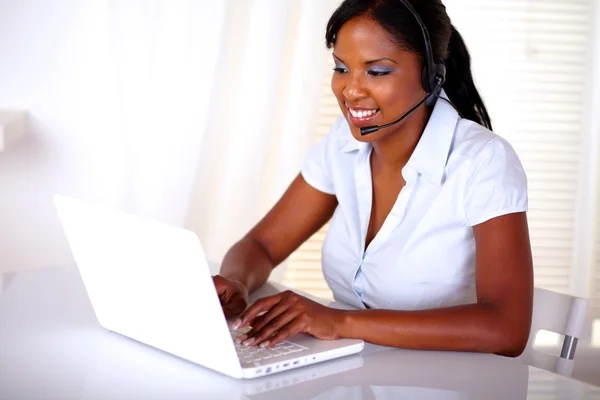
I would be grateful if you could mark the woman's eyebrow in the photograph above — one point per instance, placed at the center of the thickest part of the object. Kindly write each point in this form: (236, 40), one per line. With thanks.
(366, 62)
(337, 58)
(380, 59)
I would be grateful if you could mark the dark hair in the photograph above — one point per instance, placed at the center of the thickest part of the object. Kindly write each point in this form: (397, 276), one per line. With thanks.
(447, 44)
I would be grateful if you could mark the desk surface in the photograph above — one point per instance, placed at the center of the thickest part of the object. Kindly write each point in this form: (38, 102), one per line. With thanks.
(51, 347)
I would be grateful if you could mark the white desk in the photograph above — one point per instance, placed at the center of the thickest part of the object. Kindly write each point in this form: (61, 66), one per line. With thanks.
(51, 347)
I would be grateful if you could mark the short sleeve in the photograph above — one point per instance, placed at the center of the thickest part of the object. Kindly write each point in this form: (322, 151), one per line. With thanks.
(316, 166)
(497, 184)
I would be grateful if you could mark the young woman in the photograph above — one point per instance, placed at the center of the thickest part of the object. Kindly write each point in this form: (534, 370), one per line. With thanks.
(428, 237)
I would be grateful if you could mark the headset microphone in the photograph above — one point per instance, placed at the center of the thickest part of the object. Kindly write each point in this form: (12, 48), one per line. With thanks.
(371, 129)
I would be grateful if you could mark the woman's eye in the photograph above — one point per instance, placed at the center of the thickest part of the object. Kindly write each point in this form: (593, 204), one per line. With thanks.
(340, 70)
(379, 73)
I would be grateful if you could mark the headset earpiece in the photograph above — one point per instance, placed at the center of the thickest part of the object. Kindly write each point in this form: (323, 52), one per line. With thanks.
(426, 80)
(433, 81)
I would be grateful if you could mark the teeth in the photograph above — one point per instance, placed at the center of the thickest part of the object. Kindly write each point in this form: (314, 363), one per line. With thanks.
(362, 114)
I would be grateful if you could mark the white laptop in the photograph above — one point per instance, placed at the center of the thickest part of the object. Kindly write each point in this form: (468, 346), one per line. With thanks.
(151, 282)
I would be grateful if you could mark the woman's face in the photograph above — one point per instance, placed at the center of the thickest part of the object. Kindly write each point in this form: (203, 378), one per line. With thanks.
(375, 81)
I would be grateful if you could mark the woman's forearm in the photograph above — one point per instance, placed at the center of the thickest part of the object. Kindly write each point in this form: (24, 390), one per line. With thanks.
(247, 263)
(473, 327)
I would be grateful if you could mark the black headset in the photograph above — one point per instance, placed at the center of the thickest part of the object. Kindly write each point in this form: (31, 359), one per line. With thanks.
(432, 78)
(434, 72)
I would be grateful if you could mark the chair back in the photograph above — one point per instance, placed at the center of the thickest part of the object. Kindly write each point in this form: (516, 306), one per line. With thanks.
(558, 313)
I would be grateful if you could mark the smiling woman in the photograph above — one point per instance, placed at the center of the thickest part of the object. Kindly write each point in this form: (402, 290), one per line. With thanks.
(428, 237)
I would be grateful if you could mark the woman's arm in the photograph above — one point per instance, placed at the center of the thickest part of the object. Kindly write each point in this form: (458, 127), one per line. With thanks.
(498, 323)
(300, 212)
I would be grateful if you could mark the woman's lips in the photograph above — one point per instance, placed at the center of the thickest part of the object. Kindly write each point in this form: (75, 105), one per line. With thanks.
(362, 116)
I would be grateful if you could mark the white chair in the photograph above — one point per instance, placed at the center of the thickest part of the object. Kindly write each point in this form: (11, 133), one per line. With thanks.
(558, 313)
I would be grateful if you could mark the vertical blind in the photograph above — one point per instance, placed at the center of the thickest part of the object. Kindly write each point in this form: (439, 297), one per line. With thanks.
(595, 301)
(530, 63)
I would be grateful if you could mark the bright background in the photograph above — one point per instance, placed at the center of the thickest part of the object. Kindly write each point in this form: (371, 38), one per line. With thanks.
(199, 113)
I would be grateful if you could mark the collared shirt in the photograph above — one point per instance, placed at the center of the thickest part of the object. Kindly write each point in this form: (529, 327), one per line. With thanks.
(459, 175)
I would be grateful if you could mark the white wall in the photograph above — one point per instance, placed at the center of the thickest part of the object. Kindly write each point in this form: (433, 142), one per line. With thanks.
(38, 46)
(96, 91)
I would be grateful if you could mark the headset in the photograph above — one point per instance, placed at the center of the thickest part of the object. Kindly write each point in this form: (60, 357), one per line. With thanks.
(432, 78)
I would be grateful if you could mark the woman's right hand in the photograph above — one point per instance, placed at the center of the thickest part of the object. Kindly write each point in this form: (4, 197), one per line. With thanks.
(233, 295)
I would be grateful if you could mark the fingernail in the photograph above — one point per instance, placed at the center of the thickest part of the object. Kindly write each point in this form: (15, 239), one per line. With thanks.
(248, 342)
(264, 344)
(236, 324)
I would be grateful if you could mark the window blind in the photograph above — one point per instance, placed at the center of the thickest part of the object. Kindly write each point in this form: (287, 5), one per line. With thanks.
(595, 300)
(595, 284)
(529, 62)
(530, 59)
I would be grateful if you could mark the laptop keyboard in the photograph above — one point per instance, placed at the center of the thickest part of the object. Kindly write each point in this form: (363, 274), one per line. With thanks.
(252, 354)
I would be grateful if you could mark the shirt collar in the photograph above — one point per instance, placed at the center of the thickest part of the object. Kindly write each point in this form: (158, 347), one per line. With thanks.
(353, 144)
(431, 154)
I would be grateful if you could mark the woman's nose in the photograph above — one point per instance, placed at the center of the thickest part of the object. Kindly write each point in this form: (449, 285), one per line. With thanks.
(354, 89)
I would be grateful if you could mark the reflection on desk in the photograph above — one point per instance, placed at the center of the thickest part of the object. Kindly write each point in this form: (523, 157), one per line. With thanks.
(52, 347)
(396, 374)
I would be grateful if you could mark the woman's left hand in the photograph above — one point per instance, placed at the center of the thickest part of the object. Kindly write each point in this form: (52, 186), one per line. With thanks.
(286, 314)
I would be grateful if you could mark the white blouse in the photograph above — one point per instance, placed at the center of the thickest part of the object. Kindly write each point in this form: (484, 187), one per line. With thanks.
(423, 257)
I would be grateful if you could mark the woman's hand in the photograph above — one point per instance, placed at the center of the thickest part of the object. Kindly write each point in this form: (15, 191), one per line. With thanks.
(233, 295)
(284, 315)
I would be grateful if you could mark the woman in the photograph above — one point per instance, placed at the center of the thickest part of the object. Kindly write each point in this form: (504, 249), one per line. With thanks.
(428, 236)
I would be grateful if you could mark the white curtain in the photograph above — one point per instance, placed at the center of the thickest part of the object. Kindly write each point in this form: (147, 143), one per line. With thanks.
(192, 112)
(265, 116)
(145, 84)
